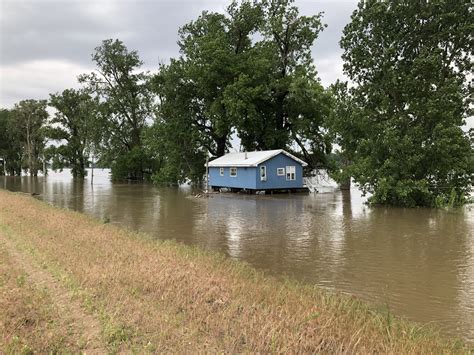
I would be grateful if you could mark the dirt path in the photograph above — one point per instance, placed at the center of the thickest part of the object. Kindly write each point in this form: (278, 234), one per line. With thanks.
(84, 326)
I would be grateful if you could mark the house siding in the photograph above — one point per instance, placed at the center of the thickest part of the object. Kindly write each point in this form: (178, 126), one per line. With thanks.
(246, 178)
(279, 182)
(249, 177)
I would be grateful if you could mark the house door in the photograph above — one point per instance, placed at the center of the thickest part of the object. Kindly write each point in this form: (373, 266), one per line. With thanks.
(263, 173)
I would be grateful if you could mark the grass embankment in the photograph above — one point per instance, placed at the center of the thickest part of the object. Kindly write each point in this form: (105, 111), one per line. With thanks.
(148, 295)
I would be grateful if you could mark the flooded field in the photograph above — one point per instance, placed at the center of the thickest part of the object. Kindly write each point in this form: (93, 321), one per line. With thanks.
(419, 263)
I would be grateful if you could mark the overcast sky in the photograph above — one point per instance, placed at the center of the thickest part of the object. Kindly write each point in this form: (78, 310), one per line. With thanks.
(45, 44)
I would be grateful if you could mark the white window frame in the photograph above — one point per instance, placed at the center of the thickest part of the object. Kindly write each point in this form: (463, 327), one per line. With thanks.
(291, 173)
(233, 169)
(263, 177)
(221, 171)
(281, 171)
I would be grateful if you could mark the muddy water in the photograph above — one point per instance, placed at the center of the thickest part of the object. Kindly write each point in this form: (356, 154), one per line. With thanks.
(417, 262)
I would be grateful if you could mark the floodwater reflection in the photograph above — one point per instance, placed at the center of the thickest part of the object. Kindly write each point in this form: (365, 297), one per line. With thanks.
(418, 262)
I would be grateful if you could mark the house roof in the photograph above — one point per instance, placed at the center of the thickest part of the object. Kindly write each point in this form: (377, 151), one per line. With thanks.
(250, 159)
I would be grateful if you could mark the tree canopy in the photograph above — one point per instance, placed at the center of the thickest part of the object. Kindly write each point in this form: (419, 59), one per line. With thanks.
(249, 73)
(75, 124)
(11, 150)
(410, 62)
(125, 103)
(30, 118)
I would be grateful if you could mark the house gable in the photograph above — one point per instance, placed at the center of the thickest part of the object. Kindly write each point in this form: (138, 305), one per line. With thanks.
(275, 181)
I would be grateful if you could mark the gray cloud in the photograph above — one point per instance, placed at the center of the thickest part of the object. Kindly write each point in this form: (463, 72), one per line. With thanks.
(70, 30)
(44, 44)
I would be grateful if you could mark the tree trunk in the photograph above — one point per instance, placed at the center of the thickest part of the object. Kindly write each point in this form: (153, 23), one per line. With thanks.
(28, 147)
(345, 184)
(45, 171)
(221, 143)
(82, 169)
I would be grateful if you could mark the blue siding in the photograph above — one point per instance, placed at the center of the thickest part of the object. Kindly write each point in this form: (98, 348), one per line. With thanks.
(279, 182)
(249, 177)
(246, 178)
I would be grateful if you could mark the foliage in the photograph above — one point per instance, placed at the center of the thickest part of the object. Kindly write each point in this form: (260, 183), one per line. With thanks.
(10, 147)
(126, 104)
(173, 139)
(75, 124)
(248, 71)
(411, 63)
(174, 144)
(193, 120)
(30, 118)
(135, 160)
(213, 48)
(278, 100)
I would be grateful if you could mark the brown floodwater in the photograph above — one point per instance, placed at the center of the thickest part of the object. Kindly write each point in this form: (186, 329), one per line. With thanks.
(417, 262)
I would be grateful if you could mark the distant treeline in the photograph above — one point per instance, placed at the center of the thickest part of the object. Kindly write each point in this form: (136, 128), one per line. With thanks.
(395, 128)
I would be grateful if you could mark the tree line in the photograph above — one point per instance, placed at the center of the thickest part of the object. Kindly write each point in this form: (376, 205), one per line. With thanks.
(395, 128)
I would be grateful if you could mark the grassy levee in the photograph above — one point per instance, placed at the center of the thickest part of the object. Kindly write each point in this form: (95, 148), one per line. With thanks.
(29, 319)
(162, 296)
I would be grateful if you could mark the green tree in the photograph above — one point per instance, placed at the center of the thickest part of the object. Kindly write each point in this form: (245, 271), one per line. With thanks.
(73, 124)
(178, 146)
(411, 62)
(278, 100)
(345, 130)
(126, 104)
(248, 71)
(213, 49)
(192, 119)
(11, 150)
(31, 116)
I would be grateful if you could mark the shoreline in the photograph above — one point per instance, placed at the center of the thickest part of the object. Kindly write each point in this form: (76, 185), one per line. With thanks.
(147, 295)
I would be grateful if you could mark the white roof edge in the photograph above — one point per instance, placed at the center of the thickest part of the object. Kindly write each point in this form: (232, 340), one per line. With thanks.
(254, 164)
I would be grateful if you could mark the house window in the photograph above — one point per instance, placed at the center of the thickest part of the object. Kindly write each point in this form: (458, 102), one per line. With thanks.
(263, 173)
(221, 171)
(281, 171)
(233, 172)
(290, 173)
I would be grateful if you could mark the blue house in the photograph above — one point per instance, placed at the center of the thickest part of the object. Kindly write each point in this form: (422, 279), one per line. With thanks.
(263, 170)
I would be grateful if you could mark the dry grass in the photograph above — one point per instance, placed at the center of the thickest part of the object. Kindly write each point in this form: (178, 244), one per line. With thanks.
(29, 319)
(163, 296)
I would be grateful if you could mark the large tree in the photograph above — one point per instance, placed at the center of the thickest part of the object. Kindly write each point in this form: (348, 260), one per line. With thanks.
(126, 104)
(278, 99)
(213, 52)
(411, 62)
(192, 119)
(31, 116)
(74, 125)
(176, 143)
(11, 151)
(249, 72)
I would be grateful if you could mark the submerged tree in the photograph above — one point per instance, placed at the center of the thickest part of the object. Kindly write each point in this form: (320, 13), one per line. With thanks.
(176, 144)
(411, 62)
(31, 116)
(75, 124)
(11, 151)
(192, 119)
(249, 72)
(126, 104)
